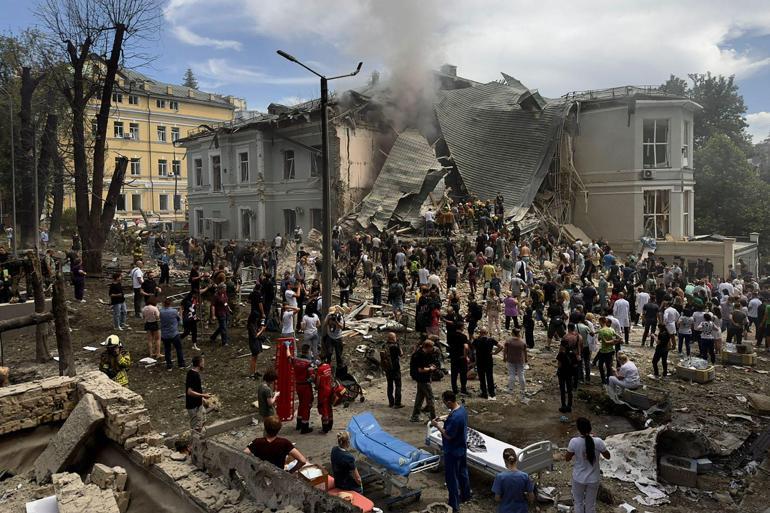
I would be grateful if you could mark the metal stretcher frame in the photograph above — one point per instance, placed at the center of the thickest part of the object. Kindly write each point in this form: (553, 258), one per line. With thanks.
(533, 458)
(389, 461)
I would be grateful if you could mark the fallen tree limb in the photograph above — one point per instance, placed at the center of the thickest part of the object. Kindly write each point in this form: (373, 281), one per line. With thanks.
(25, 320)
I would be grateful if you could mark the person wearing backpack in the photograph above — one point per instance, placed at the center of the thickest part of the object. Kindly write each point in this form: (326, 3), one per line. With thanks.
(574, 343)
(391, 365)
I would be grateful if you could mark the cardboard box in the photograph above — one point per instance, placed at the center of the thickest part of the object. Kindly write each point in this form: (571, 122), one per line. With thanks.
(739, 359)
(701, 376)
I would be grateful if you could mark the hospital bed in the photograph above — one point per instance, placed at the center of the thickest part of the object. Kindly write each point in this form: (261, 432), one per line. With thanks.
(389, 461)
(485, 453)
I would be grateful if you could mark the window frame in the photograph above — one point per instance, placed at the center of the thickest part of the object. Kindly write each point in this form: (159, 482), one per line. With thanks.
(654, 144)
(244, 213)
(316, 162)
(161, 197)
(197, 171)
(176, 167)
(175, 133)
(220, 182)
(163, 168)
(117, 97)
(656, 213)
(133, 134)
(160, 103)
(289, 165)
(173, 105)
(138, 167)
(133, 196)
(199, 222)
(686, 144)
(160, 132)
(118, 134)
(121, 198)
(133, 99)
(289, 214)
(241, 169)
(686, 212)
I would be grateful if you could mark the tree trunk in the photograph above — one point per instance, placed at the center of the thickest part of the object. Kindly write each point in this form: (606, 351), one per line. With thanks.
(25, 163)
(42, 354)
(57, 195)
(49, 150)
(62, 328)
(24, 321)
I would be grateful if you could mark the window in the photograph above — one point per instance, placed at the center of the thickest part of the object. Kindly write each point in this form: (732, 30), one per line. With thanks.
(176, 168)
(686, 213)
(655, 143)
(94, 126)
(316, 162)
(657, 208)
(121, 203)
(117, 129)
(174, 134)
(117, 97)
(161, 104)
(198, 172)
(136, 202)
(161, 133)
(163, 202)
(289, 220)
(686, 144)
(245, 223)
(173, 105)
(316, 219)
(133, 131)
(133, 99)
(199, 222)
(216, 226)
(162, 167)
(177, 202)
(243, 164)
(288, 165)
(216, 173)
(136, 167)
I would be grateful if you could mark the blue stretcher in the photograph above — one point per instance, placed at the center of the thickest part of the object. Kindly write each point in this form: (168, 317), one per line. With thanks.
(388, 458)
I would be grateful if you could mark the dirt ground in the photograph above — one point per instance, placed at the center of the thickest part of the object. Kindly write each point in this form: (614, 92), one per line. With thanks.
(702, 407)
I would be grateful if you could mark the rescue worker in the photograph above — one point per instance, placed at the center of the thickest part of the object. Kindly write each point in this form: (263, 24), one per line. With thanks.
(303, 379)
(325, 387)
(115, 361)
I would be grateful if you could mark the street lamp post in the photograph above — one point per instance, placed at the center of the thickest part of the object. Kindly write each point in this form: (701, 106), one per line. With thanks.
(13, 170)
(326, 195)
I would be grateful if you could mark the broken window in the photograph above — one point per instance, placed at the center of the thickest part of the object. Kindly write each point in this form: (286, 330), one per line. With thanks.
(216, 173)
(316, 219)
(289, 220)
(655, 143)
(657, 209)
(316, 164)
(288, 165)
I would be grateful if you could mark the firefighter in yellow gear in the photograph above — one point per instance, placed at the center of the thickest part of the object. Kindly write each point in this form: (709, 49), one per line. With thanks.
(115, 361)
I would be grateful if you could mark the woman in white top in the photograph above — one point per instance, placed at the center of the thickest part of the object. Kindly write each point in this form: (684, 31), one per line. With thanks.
(287, 321)
(684, 325)
(585, 449)
(310, 322)
(627, 376)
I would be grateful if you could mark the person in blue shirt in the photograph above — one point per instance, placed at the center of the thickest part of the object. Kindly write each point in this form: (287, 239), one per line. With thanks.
(454, 434)
(169, 333)
(513, 488)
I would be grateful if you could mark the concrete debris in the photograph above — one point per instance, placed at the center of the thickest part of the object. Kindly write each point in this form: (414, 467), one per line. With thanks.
(634, 456)
(761, 403)
(76, 430)
(109, 477)
(72, 496)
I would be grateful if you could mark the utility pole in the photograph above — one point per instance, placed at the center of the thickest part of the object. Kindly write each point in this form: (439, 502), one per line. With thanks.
(13, 172)
(326, 183)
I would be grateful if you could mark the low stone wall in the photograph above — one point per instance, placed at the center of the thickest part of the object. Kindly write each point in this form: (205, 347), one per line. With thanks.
(272, 488)
(27, 405)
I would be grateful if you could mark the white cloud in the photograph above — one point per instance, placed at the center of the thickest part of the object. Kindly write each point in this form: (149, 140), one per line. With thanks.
(218, 72)
(186, 35)
(759, 126)
(554, 46)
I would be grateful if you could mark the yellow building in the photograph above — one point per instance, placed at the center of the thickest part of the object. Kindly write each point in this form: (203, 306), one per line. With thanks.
(147, 118)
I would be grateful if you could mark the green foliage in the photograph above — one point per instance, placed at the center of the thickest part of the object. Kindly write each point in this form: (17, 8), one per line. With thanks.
(730, 198)
(68, 221)
(190, 80)
(676, 86)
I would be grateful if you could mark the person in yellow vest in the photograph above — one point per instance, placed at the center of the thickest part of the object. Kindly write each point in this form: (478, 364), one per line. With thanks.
(115, 361)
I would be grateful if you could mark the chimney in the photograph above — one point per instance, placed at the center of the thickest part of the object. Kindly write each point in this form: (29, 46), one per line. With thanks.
(146, 85)
(169, 90)
(190, 93)
(449, 69)
(754, 237)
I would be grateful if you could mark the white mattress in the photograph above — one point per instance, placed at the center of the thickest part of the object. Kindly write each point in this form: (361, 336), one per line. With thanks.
(492, 457)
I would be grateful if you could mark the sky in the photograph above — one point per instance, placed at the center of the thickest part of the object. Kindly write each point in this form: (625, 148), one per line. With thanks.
(553, 46)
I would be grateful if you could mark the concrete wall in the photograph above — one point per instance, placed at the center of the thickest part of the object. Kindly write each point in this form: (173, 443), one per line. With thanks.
(608, 156)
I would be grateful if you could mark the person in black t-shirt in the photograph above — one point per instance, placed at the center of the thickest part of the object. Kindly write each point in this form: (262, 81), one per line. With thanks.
(458, 359)
(486, 347)
(118, 303)
(274, 449)
(194, 395)
(392, 368)
(650, 319)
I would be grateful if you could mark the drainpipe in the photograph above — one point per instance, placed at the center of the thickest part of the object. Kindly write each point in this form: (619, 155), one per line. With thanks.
(149, 150)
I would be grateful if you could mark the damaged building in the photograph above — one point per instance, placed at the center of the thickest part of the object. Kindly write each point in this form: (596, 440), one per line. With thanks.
(612, 164)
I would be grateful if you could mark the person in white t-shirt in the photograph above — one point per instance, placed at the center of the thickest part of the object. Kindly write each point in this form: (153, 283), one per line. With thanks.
(137, 278)
(585, 450)
(430, 219)
(627, 376)
(621, 310)
(642, 298)
(310, 322)
(287, 321)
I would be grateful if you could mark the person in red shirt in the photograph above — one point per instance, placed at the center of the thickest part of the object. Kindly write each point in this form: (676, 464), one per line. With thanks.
(222, 312)
(325, 387)
(303, 379)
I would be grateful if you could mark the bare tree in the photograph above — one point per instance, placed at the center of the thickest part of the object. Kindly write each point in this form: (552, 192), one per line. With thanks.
(96, 36)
